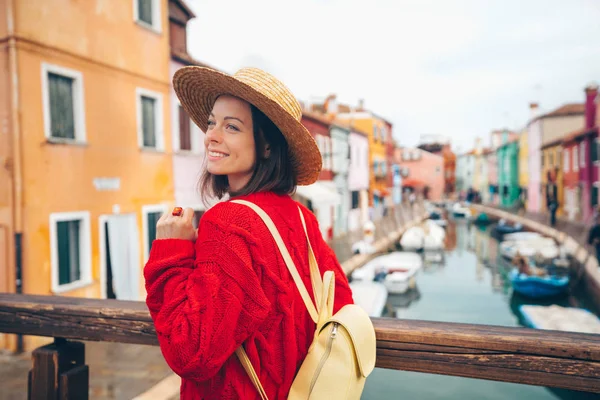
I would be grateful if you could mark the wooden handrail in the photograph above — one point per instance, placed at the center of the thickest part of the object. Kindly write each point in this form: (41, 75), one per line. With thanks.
(545, 358)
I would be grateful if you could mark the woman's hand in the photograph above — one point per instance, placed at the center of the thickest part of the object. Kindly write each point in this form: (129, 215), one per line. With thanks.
(177, 227)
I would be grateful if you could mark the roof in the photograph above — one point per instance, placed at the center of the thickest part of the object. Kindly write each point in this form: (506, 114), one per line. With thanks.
(331, 120)
(566, 110)
(321, 118)
(186, 59)
(579, 134)
(344, 108)
(185, 8)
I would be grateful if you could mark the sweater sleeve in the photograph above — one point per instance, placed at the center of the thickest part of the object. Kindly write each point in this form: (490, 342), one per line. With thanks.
(206, 306)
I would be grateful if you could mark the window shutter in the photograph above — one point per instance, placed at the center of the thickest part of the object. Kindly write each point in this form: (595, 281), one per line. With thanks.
(68, 251)
(594, 196)
(185, 140)
(594, 150)
(148, 121)
(62, 116)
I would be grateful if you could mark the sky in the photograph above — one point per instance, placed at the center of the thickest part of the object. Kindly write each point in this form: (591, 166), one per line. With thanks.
(456, 68)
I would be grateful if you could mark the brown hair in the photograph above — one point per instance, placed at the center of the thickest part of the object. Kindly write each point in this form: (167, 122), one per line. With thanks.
(272, 173)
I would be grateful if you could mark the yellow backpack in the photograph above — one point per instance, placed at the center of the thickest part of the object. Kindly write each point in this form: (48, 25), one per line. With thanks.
(342, 353)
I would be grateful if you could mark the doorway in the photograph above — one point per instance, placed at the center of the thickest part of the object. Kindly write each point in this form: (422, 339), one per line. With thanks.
(119, 257)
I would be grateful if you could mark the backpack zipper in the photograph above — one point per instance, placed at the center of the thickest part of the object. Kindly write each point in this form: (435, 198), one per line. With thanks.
(325, 356)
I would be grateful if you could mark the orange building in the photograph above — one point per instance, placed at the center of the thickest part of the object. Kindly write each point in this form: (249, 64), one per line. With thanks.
(444, 150)
(85, 145)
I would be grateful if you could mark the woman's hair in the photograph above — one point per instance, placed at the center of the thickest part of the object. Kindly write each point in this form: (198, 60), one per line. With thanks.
(272, 172)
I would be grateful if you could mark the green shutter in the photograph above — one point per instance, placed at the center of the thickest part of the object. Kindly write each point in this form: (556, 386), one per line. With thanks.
(69, 258)
(62, 116)
(152, 219)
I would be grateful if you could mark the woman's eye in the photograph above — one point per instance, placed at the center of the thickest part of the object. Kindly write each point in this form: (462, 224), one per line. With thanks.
(229, 126)
(211, 122)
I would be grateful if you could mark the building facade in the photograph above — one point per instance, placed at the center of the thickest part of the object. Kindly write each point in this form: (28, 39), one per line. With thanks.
(508, 173)
(422, 172)
(89, 116)
(358, 179)
(340, 148)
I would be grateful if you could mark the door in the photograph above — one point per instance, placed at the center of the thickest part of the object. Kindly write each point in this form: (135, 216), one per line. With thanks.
(121, 259)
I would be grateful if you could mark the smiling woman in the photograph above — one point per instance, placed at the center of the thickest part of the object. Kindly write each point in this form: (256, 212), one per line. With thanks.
(229, 285)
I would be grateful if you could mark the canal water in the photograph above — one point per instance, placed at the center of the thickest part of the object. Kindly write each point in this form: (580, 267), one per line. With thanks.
(468, 286)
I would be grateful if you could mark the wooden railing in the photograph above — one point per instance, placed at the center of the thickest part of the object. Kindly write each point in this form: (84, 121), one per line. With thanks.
(544, 358)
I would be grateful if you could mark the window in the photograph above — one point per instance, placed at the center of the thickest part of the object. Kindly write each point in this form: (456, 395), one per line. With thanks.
(150, 216)
(375, 132)
(406, 155)
(355, 199)
(582, 154)
(64, 117)
(150, 120)
(595, 156)
(566, 160)
(70, 251)
(147, 14)
(185, 142)
(575, 161)
(438, 170)
(551, 159)
(595, 190)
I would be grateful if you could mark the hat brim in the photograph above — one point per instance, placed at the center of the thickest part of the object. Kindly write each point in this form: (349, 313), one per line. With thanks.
(198, 88)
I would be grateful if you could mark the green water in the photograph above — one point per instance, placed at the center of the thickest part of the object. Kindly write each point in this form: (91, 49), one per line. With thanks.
(469, 287)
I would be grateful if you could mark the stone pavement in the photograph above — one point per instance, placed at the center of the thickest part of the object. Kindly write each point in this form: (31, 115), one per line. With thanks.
(117, 371)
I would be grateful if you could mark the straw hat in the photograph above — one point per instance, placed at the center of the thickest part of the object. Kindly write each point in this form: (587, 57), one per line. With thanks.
(198, 88)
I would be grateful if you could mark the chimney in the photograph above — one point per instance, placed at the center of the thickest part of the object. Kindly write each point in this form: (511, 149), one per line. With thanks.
(591, 93)
(331, 106)
(361, 105)
(533, 110)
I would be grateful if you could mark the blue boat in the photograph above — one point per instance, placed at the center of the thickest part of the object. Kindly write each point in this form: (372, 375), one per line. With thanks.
(504, 228)
(536, 286)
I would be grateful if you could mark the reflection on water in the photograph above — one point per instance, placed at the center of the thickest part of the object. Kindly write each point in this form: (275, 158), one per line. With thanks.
(470, 285)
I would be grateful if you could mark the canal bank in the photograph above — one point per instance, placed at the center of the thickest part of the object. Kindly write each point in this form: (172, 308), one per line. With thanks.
(470, 285)
(572, 237)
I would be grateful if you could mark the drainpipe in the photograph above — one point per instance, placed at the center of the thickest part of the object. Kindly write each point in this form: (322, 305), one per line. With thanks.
(17, 201)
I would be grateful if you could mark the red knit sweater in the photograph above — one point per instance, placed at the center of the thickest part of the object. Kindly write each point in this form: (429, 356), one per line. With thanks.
(232, 287)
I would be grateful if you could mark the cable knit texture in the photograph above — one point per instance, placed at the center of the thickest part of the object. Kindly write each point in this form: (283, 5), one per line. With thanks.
(232, 287)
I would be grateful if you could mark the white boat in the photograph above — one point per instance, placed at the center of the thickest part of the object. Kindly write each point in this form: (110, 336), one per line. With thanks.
(397, 261)
(363, 247)
(559, 318)
(543, 246)
(461, 211)
(400, 281)
(519, 236)
(428, 235)
(371, 296)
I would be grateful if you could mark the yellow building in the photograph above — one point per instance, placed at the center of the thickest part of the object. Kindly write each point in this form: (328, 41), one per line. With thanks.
(523, 164)
(85, 117)
(552, 170)
(377, 128)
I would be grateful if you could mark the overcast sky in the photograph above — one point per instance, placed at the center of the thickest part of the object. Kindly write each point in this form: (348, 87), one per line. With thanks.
(458, 68)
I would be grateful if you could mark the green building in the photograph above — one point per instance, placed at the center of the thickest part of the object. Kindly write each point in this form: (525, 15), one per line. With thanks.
(508, 173)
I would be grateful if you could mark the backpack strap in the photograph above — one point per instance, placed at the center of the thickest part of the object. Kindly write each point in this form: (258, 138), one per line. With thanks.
(316, 281)
(245, 361)
(314, 269)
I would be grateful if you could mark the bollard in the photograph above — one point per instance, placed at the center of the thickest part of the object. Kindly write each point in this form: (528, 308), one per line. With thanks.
(59, 372)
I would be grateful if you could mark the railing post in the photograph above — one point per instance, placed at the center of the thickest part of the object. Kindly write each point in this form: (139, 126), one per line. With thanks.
(59, 372)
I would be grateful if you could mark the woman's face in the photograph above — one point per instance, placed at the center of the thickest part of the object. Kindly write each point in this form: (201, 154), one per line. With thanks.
(229, 141)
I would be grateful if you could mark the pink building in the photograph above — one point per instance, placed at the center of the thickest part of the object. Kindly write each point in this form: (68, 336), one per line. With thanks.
(188, 139)
(492, 168)
(421, 171)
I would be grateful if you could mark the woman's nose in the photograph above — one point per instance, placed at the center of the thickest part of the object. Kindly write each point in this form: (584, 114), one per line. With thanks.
(214, 135)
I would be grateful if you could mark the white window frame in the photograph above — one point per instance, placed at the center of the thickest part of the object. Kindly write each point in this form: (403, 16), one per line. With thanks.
(158, 119)
(566, 161)
(78, 103)
(196, 134)
(575, 159)
(582, 154)
(156, 16)
(85, 250)
(147, 209)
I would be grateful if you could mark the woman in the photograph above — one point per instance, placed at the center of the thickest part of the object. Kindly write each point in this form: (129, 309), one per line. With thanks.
(211, 291)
